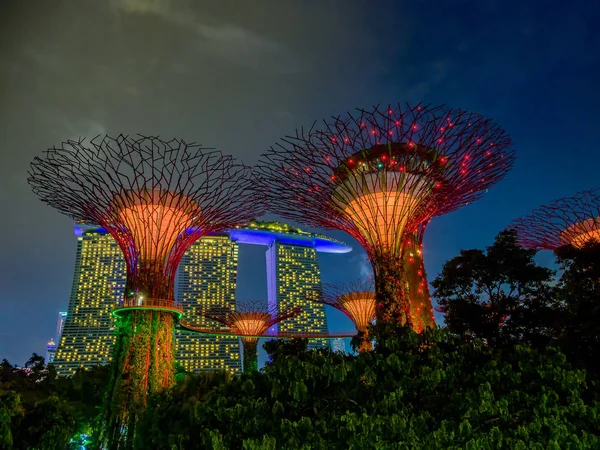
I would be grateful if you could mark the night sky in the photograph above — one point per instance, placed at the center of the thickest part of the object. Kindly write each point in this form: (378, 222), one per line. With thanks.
(239, 75)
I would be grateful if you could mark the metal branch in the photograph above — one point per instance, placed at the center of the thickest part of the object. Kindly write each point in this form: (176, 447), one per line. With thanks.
(574, 220)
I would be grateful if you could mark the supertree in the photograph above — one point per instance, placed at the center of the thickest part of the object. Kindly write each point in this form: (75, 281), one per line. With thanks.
(356, 299)
(568, 221)
(250, 322)
(155, 198)
(381, 175)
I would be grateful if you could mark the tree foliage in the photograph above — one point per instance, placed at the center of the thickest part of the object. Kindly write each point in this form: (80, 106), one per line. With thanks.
(579, 291)
(40, 411)
(433, 390)
(500, 295)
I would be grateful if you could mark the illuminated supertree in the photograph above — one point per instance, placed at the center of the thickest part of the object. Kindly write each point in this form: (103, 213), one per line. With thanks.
(356, 299)
(249, 322)
(568, 221)
(381, 175)
(155, 198)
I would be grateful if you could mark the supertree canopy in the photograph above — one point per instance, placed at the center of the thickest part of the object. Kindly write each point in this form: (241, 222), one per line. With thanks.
(381, 175)
(249, 321)
(155, 198)
(568, 221)
(356, 299)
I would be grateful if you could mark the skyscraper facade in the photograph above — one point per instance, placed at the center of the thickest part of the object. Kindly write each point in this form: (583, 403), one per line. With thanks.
(51, 346)
(98, 283)
(292, 272)
(207, 277)
(60, 324)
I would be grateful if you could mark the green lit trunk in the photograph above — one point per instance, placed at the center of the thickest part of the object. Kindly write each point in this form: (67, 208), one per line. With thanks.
(250, 348)
(143, 363)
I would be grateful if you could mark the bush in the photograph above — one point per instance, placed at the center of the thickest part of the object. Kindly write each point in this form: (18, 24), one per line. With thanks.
(433, 390)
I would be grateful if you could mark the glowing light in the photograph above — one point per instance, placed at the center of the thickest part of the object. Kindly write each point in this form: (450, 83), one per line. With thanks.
(155, 220)
(381, 206)
(581, 233)
(360, 307)
(248, 324)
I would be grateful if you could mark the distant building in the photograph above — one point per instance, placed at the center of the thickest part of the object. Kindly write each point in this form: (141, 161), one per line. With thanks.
(60, 324)
(207, 277)
(50, 351)
(51, 346)
(292, 271)
(338, 345)
(98, 283)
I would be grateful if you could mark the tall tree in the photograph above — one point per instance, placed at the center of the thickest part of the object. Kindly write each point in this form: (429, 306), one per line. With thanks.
(501, 294)
(579, 291)
(11, 412)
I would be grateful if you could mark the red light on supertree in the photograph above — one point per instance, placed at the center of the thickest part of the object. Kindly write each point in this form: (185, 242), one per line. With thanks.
(568, 221)
(249, 321)
(356, 299)
(384, 202)
(155, 198)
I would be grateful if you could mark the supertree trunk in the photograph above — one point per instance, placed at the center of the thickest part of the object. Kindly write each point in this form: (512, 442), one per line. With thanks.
(143, 357)
(421, 310)
(250, 346)
(391, 290)
(143, 364)
(366, 345)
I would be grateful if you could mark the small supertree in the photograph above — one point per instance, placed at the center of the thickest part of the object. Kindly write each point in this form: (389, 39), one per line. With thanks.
(568, 221)
(249, 322)
(381, 175)
(155, 198)
(356, 299)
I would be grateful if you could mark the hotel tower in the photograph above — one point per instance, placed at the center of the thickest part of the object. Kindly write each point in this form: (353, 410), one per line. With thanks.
(207, 276)
(98, 284)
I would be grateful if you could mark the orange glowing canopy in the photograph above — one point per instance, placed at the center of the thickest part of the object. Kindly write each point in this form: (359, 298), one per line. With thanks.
(382, 204)
(581, 233)
(155, 220)
(360, 307)
(250, 324)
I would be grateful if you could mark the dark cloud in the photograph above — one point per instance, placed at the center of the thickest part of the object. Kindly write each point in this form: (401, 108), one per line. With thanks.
(239, 75)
